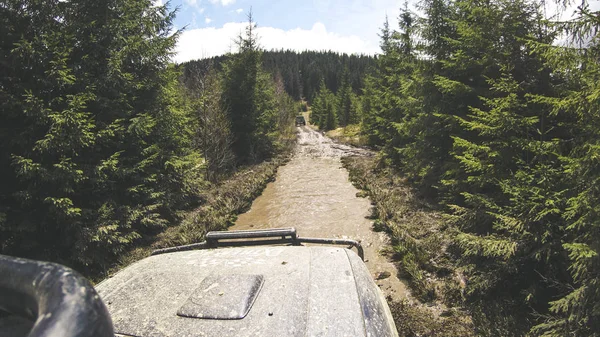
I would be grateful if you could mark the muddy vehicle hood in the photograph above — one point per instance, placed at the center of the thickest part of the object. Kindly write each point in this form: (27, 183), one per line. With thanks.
(259, 291)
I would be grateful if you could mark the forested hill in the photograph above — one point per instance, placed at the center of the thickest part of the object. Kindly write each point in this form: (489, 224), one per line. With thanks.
(302, 72)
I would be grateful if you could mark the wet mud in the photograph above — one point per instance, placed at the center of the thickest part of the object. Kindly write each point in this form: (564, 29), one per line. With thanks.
(313, 194)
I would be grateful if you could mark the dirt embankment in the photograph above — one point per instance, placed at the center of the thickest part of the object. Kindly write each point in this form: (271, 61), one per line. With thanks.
(419, 242)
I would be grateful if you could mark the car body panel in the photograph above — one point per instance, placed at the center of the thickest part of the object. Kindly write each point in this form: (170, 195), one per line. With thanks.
(307, 291)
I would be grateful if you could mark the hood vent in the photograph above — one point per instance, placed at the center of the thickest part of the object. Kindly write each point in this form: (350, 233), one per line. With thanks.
(223, 297)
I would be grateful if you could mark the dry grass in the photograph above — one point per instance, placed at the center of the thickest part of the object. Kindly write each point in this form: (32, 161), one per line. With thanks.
(348, 135)
(414, 320)
(420, 241)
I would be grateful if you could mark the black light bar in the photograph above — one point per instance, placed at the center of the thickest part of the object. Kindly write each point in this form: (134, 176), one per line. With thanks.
(238, 239)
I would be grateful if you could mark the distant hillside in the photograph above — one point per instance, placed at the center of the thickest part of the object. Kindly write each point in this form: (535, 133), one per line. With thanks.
(300, 72)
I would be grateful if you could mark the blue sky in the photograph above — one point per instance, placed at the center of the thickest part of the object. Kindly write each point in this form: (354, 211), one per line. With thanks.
(341, 25)
(349, 26)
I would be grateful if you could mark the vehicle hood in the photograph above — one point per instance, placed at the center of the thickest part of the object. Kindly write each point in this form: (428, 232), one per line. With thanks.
(289, 291)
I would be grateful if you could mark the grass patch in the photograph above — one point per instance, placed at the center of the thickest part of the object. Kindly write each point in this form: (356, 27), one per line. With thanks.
(351, 135)
(414, 320)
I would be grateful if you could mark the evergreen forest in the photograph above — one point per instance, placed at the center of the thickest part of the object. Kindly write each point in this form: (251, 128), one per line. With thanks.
(103, 144)
(488, 108)
(491, 109)
(302, 73)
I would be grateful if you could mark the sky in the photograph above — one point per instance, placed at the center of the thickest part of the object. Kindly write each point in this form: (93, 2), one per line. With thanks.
(349, 26)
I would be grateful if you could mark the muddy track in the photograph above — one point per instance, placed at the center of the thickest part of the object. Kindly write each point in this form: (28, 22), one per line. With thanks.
(313, 194)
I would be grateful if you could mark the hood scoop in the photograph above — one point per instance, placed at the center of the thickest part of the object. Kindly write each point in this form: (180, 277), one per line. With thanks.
(223, 297)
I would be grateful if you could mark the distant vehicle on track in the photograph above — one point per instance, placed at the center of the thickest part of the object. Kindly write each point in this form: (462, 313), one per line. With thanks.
(220, 287)
(300, 121)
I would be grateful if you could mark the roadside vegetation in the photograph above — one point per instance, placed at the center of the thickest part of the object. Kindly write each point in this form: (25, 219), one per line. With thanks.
(350, 134)
(487, 113)
(421, 244)
(221, 204)
(485, 116)
(108, 147)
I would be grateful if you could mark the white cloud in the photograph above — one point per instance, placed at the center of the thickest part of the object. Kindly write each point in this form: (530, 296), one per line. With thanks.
(239, 10)
(194, 4)
(223, 2)
(207, 42)
(157, 3)
(194, 23)
(207, 20)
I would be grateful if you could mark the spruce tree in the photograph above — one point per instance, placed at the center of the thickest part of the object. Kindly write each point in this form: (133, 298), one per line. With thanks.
(503, 164)
(249, 97)
(575, 62)
(96, 140)
(500, 121)
(344, 99)
(391, 92)
(323, 113)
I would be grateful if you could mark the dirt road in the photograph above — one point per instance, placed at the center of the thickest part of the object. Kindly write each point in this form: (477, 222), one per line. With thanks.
(313, 194)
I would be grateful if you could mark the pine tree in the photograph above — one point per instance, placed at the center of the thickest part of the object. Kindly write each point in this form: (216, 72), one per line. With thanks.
(376, 89)
(249, 96)
(344, 99)
(301, 72)
(390, 94)
(98, 146)
(318, 106)
(503, 163)
(324, 109)
(213, 133)
(576, 312)
(500, 122)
